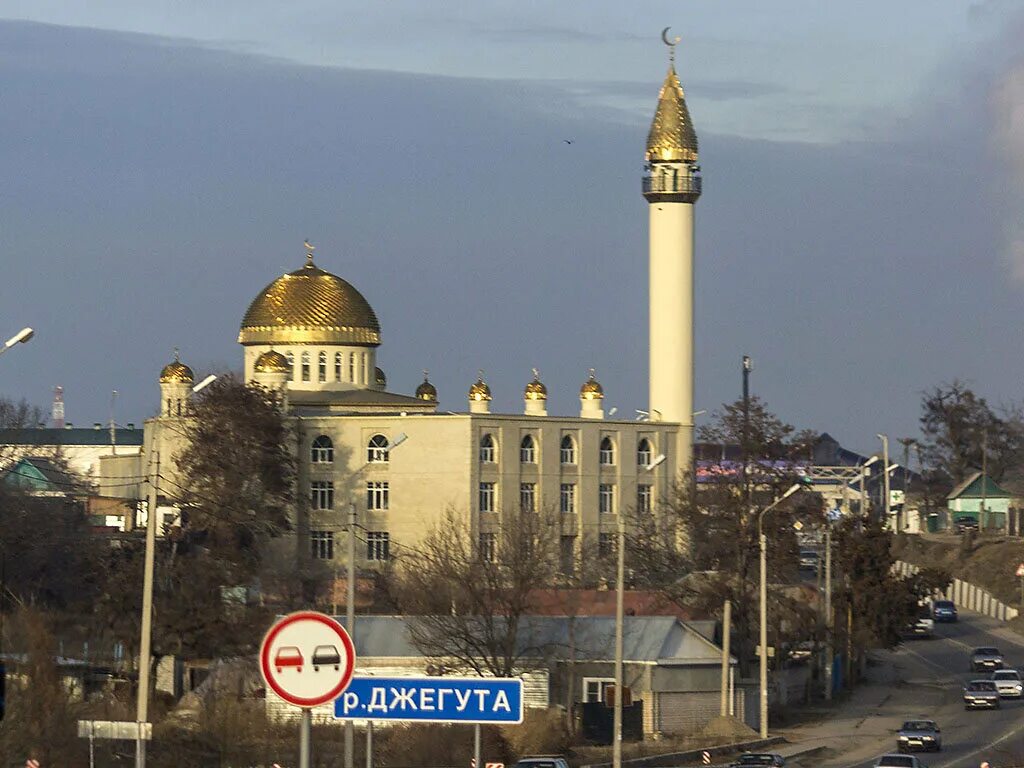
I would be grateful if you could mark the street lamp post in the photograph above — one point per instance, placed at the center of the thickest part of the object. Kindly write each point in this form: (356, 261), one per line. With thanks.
(886, 503)
(620, 586)
(21, 337)
(762, 539)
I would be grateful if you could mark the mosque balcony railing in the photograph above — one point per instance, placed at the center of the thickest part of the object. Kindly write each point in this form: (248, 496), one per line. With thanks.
(672, 184)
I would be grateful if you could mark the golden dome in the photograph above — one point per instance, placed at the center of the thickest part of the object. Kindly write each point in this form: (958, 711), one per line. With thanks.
(426, 390)
(272, 362)
(379, 378)
(310, 306)
(591, 389)
(176, 373)
(535, 390)
(480, 390)
(672, 136)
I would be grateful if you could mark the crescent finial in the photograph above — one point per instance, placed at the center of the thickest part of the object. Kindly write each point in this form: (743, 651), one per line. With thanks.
(671, 43)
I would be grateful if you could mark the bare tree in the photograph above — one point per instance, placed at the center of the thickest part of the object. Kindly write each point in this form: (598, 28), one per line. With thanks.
(467, 599)
(700, 547)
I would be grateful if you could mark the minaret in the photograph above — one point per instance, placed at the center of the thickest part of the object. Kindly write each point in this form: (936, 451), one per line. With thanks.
(672, 185)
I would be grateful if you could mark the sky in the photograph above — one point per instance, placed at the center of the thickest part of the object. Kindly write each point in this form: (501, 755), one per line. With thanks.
(860, 235)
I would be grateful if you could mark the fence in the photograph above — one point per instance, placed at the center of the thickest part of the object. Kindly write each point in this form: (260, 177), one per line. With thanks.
(968, 596)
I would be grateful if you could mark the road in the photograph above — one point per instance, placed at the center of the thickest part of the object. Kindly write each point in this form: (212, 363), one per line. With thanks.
(925, 681)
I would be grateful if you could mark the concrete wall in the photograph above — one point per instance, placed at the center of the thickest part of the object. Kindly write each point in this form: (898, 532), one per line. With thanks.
(968, 596)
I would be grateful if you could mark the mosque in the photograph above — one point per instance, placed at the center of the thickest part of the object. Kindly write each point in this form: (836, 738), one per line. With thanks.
(396, 464)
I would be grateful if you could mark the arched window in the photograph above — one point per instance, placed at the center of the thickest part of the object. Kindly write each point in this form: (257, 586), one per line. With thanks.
(568, 450)
(305, 366)
(291, 365)
(322, 451)
(322, 366)
(337, 366)
(528, 450)
(365, 376)
(377, 450)
(352, 367)
(607, 453)
(643, 453)
(488, 450)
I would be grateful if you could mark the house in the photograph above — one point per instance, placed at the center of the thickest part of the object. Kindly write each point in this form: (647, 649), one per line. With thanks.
(671, 667)
(981, 498)
(40, 476)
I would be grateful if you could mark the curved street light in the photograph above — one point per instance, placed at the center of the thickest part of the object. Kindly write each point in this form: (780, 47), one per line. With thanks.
(21, 337)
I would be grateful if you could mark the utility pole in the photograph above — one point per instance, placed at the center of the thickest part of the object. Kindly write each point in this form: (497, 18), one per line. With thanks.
(350, 622)
(726, 629)
(620, 579)
(145, 641)
(113, 425)
(828, 609)
(984, 480)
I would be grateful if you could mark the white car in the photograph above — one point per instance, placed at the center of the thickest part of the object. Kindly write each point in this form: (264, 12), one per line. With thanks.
(899, 761)
(1008, 683)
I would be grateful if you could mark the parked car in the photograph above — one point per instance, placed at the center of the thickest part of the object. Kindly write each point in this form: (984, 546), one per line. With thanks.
(986, 659)
(981, 694)
(919, 734)
(1008, 683)
(899, 761)
(809, 560)
(759, 760)
(542, 761)
(966, 523)
(944, 610)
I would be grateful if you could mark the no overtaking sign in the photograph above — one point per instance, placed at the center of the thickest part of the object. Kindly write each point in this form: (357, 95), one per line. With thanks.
(307, 659)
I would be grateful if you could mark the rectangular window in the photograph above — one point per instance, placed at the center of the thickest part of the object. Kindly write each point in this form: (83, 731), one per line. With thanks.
(528, 497)
(567, 554)
(606, 499)
(606, 544)
(321, 495)
(337, 366)
(378, 545)
(487, 494)
(644, 498)
(488, 547)
(594, 688)
(567, 499)
(322, 544)
(377, 495)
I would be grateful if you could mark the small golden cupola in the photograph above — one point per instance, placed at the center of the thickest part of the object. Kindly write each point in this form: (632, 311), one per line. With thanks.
(176, 372)
(272, 361)
(535, 396)
(176, 380)
(426, 390)
(591, 395)
(379, 379)
(480, 396)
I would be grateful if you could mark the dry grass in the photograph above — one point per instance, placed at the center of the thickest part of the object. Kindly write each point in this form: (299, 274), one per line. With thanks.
(989, 562)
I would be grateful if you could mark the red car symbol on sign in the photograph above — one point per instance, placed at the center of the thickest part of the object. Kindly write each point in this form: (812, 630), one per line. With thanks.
(288, 656)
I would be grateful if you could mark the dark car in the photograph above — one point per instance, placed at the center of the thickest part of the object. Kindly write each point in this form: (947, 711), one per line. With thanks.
(759, 760)
(326, 656)
(966, 523)
(919, 734)
(944, 610)
(981, 694)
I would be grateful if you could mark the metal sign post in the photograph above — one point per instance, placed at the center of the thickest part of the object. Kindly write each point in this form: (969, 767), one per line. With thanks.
(307, 659)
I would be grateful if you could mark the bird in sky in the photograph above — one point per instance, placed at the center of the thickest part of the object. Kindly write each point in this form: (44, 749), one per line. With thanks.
(567, 141)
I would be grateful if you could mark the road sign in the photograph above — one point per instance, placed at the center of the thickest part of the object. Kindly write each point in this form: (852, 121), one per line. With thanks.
(433, 699)
(705, 757)
(30, 763)
(307, 659)
(494, 765)
(798, 526)
(128, 730)
(1020, 569)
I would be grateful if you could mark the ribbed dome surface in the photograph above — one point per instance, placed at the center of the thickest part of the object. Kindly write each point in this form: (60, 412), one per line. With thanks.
(310, 306)
(272, 362)
(672, 137)
(176, 373)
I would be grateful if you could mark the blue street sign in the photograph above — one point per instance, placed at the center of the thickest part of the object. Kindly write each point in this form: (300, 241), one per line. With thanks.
(432, 699)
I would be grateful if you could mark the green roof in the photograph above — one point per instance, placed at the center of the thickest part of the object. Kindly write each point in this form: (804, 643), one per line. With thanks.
(976, 487)
(74, 436)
